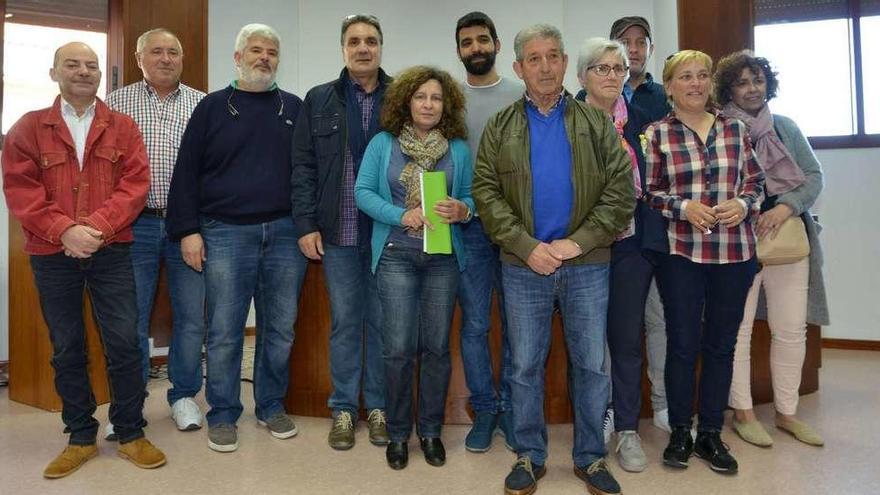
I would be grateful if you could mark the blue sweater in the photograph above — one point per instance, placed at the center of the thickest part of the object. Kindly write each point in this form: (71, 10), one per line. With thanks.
(550, 159)
(234, 168)
(373, 193)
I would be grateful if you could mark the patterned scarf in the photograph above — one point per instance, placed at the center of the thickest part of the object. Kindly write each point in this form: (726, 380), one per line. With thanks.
(424, 153)
(620, 117)
(780, 170)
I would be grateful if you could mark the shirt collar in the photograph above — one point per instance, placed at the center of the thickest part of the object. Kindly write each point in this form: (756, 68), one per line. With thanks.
(152, 91)
(559, 100)
(69, 111)
(234, 85)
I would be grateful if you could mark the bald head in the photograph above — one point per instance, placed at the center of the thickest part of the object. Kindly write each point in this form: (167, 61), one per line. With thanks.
(73, 48)
(77, 73)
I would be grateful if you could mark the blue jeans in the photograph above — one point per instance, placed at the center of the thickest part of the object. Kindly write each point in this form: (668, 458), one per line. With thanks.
(107, 275)
(582, 294)
(417, 291)
(263, 262)
(631, 273)
(483, 273)
(691, 291)
(186, 288)
(355, 330)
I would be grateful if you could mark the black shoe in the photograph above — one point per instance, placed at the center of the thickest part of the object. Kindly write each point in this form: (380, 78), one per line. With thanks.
(435, 454)
(710, 448)
(397, 455)
(680, 448)
(523, 478)
(598, 478)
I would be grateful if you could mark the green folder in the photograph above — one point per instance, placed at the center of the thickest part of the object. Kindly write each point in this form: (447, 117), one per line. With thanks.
(439, 240)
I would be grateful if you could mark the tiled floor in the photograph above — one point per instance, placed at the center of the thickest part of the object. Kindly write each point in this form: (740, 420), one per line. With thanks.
(845, 411)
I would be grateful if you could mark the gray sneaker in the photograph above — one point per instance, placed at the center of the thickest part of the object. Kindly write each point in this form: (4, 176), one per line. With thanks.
(341, 435)
(280, 425)
(378, 428)
(630, 455)
(223, 437)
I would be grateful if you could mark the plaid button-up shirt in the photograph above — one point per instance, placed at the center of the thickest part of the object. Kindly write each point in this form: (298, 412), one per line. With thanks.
(348, 212)
(162, 123)
(680, 167)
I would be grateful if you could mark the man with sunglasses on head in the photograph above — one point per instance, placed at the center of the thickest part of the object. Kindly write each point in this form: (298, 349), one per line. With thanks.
(338, 120)
(229, 204)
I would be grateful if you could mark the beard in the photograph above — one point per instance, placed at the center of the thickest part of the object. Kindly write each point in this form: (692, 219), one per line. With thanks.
(479, 68)
(255, 77)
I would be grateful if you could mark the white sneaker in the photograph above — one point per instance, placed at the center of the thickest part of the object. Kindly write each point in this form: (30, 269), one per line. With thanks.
(186, 414)
(109, 434)
(661, 420)
(608, 424)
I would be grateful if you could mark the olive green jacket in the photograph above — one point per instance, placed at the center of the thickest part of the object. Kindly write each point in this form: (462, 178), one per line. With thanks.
(604, 196)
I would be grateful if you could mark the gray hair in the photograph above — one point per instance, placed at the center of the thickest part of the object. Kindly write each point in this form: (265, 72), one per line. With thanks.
(368, 19)
(142, 39)
(256, 30)
(594, 49)
(536, 31)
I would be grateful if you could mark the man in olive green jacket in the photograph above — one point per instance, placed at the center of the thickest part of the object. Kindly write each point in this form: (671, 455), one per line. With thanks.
(554, 188)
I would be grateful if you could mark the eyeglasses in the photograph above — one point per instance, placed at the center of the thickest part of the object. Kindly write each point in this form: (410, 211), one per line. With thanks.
(605, 69)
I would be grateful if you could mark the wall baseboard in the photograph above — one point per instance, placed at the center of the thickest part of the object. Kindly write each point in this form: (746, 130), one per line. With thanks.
(851, 344)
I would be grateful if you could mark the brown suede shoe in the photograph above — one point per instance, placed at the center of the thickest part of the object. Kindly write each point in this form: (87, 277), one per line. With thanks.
(70, 460)
(142, 453)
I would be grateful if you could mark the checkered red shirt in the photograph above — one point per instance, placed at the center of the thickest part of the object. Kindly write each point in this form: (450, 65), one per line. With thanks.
(162, 123)
(680, 167)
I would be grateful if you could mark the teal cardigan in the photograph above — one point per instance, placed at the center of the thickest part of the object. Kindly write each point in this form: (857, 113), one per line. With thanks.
(373, 193)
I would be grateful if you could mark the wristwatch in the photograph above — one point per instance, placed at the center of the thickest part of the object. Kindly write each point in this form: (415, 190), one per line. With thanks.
(469, 216)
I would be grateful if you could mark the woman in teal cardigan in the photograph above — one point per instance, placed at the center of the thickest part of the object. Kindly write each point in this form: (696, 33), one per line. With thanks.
(423, 115)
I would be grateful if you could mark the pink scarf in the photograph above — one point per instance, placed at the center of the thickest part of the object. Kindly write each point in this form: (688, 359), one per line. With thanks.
(620, 117)
(781, 172)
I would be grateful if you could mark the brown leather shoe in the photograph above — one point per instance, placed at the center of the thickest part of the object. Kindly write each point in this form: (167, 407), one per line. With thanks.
(70, 460)
(142, 453)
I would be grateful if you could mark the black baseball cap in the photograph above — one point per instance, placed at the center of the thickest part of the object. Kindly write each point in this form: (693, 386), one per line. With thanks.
(625, 23)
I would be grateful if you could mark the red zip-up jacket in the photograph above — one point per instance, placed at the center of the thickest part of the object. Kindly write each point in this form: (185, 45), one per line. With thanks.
(48, 193)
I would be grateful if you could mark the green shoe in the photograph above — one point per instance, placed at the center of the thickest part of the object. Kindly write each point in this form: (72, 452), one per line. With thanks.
(801, 431)
(753, 432)
(378, 427)
(341, 435)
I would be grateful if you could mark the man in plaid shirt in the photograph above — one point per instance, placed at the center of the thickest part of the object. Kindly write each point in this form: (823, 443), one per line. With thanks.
(161, 106)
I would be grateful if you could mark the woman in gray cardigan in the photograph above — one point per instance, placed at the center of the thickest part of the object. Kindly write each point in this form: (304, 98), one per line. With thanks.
(793, 294)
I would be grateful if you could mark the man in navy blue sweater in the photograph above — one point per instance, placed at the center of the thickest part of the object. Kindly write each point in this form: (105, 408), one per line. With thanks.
(229, 204)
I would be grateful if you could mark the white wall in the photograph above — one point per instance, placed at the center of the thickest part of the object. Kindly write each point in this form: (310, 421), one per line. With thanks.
(847, 210)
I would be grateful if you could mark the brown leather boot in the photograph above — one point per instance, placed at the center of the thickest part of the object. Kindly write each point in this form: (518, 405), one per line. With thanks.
(70, 460)
(142, 453)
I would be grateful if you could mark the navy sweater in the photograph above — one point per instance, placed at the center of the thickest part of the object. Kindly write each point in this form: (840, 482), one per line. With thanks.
(234, 168)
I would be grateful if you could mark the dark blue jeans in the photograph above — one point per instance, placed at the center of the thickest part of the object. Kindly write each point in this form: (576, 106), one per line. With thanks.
(186, 288)
(107, 275)
(689, 291)
(582, 294)
(417, 292)
(260, 262)
(355, 330)
(483, 273)
(631, 273)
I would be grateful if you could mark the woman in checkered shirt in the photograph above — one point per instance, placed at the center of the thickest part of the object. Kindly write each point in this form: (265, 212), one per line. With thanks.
(703, 177)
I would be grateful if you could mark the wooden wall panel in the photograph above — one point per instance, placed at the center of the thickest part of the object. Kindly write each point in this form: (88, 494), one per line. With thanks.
(716, 27)
(187, 19)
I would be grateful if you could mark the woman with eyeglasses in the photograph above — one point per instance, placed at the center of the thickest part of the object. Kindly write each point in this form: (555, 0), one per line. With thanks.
(704, 178)
(423, 118)
(602, 69)
(794, 292)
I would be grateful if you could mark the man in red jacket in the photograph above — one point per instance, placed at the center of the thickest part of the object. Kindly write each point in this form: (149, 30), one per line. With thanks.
(76, 176)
